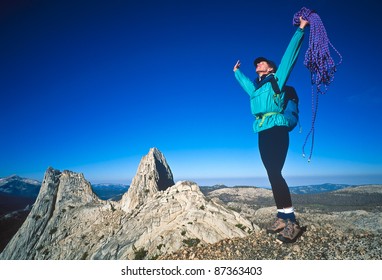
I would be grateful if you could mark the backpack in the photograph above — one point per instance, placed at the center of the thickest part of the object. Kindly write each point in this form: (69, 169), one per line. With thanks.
(290, 106)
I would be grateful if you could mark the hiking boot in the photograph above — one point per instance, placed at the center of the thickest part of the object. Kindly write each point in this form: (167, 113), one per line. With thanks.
(290, 233)
(277, 226)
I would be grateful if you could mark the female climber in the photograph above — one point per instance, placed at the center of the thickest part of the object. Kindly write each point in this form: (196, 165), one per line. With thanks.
(272, 129)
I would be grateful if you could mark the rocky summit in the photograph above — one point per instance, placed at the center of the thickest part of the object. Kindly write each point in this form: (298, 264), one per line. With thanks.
(153, 175)
(155, 217)
(160, 219)
(340, 225)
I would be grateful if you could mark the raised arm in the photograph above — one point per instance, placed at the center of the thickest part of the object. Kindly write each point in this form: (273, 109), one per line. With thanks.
(243, 80)
(291, 54)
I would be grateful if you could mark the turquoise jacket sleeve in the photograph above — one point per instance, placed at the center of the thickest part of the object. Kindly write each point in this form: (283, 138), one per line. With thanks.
(289, 58)
(245, 82)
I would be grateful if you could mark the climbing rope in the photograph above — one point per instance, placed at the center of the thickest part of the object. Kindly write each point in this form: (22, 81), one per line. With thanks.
(318, 61)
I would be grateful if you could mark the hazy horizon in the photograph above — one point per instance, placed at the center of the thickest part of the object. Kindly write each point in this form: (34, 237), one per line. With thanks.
(250, 181)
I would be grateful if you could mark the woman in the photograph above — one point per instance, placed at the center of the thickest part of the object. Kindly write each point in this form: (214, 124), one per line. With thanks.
(272, 128)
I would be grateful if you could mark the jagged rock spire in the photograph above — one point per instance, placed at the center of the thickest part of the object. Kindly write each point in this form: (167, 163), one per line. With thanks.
(153, 175)
(59, 192)
(68, 221)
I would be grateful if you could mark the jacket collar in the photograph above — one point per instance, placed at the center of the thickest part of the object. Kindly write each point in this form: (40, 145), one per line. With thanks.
(259, 81)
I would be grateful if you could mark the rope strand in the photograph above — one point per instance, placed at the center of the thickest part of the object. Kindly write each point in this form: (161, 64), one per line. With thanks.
(318, 61)
(315, 97)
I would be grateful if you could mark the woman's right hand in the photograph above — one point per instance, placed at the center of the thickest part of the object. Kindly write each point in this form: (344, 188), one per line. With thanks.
(303, 23)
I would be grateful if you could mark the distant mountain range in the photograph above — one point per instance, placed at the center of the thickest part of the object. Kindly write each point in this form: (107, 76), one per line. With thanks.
(15, 185)
(312, 189)
(17, 193)
(26, 191)
(306, 189)
(110, 191)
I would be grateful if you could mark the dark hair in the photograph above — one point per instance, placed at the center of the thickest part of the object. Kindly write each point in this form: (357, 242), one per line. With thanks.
(270, 62)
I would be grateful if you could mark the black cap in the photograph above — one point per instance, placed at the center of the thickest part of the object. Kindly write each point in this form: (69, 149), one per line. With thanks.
(270, 62)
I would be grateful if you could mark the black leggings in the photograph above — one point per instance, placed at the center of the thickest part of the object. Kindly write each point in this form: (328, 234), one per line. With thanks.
(273, 146)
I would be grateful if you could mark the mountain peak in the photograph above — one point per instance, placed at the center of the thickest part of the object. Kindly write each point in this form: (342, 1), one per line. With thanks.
(155, 216)
(15, 177)
(153, 175)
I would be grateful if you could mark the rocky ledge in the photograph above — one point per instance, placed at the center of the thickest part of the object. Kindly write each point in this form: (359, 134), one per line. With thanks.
(329, 235)
(320, 241)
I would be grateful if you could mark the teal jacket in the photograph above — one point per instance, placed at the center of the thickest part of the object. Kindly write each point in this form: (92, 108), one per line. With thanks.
(266, 106)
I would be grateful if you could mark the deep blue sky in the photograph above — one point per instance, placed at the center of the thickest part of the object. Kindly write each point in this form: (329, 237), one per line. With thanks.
(90, 86)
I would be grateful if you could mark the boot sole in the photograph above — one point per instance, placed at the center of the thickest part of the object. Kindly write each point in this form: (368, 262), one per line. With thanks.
(274, 231)
(287, 240)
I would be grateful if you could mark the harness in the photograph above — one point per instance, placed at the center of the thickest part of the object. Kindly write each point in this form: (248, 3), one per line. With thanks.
(270, 78)
(289, 107)
(264, 116)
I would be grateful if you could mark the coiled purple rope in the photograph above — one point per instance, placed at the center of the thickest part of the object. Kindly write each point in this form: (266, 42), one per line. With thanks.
(318, 61)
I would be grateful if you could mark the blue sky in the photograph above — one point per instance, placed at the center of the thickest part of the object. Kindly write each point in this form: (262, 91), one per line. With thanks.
(91, 86)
